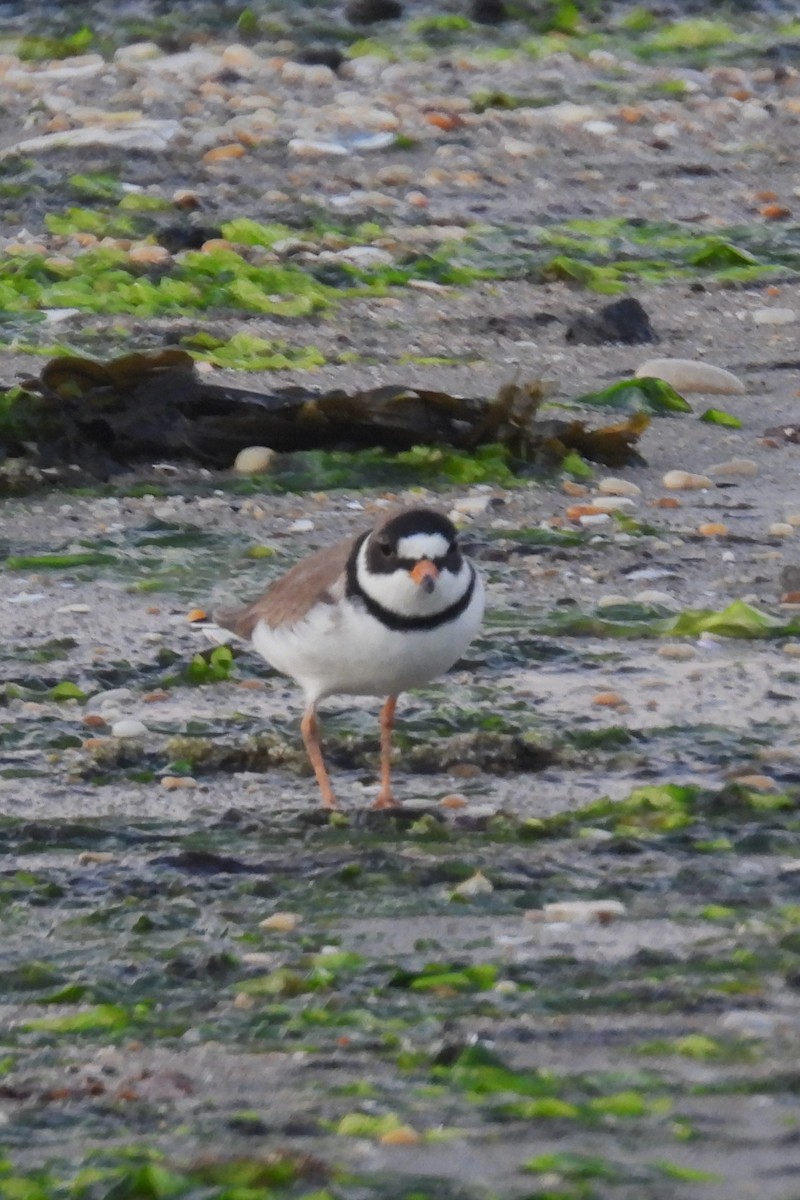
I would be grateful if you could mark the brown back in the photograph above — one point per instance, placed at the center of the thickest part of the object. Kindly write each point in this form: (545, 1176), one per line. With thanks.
(289, 598)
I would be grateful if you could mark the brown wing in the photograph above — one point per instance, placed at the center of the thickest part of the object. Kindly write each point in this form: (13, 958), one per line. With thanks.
(289, 598)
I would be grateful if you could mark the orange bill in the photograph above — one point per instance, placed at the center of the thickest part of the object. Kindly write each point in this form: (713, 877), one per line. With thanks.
(424, 570)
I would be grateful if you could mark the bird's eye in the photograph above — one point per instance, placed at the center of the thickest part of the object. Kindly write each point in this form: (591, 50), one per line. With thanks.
(386, 549)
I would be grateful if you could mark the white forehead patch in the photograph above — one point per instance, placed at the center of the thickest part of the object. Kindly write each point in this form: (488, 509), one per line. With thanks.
(423, 545)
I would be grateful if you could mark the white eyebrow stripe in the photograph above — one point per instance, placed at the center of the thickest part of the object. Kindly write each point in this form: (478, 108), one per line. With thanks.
(423, 545)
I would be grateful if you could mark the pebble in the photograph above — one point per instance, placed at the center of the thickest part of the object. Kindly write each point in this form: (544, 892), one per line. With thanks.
(611, 504)
(404, 1135)
(472, 506)
(748, 1022)
(652, 596)
(781, 529)
(99, 858)
(610, 485)
(733, 468)
(712, 529)
(254, 460)
(365, 257)
(609, 700)
(454, 800)
(517, 148)
(112, 697)
(676, 651)
(600, 128)
(774, 316)
(303, 525)
(283, 922)
(758, 783)
(611, 600)
(792, 649)
(686, 481)
(476, 885)
(590, 519)
(603, 911)
(311, 148)
(137, 52)
(175, 783)
(128, 728)
(686, 375)
(145, 136)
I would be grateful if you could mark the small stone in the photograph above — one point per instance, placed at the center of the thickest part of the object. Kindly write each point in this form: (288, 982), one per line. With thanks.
(404, 1135)
(365, 257)
(600, 128)
(94, 743)
(150, 255)
(98, 858)
(112, 697)
(74, 608)
(570, 488)
(758, 783)
(472, 506)
(138, 52)
(610, 485)
(395, 175)
(749, 1023)
(781, 529)
(517, 148)
(128, 728)
(186, 198)
(241, 59)
(303, 525)
(506, 987)
(453, 801)
(476, 885)
(223, 153)
(733, 468)
(666, 502)
(611, 600)
(611, 504)
(686, 481)
(653, 596)
(686, 375)
(712, 529)
(254, 460)
(576, 511)
(588, 520)
(609, 700)
(313, 148)
(282, 922)
(243, 1001)
(676, 651)
(176, 783)
(603, 911)
(792, 649)
(774, 316)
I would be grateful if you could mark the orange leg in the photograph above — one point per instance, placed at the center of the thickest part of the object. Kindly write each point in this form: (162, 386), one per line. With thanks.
(309, 728)
(385, 796)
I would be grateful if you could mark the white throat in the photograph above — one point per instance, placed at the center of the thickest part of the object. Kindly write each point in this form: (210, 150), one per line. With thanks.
(398, 592)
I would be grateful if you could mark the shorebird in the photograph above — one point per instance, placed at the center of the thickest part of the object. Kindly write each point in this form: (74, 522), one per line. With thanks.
(373, 615)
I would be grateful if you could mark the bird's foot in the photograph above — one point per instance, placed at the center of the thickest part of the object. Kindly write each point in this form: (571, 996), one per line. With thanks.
(386, 801)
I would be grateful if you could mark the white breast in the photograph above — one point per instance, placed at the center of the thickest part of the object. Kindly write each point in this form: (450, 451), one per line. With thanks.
(341, 648)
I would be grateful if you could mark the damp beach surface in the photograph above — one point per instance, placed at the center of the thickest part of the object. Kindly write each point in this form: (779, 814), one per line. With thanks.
(570, 966)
